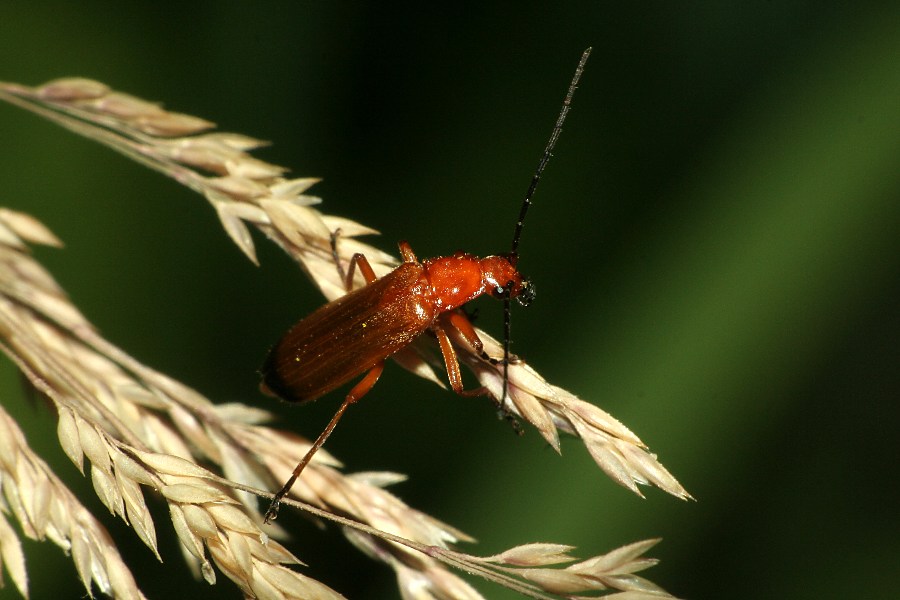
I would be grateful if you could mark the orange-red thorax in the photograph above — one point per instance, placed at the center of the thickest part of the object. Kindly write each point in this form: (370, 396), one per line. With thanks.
(460, 278)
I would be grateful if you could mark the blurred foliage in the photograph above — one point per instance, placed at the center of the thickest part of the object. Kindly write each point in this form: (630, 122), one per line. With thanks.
(714, 245)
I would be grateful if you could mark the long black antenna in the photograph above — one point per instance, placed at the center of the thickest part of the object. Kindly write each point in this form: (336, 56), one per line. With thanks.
(514, 254)
(545, 158)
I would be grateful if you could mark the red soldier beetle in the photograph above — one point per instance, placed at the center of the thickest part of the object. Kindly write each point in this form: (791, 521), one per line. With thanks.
(354, 334)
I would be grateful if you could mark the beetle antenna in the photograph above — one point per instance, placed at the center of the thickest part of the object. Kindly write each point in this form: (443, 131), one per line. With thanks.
(514, 254)
(505, 355)
(545, 158)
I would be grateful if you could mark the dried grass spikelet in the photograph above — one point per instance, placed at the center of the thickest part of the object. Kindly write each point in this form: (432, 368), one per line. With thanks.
(139, 428)
(123, 416)
(136, 428)
(46, 509)
(244, 190)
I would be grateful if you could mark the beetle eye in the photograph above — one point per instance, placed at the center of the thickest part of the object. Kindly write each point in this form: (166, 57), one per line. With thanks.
(526, 296)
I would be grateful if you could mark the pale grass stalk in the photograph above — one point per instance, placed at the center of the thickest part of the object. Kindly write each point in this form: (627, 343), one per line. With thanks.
(139, 427)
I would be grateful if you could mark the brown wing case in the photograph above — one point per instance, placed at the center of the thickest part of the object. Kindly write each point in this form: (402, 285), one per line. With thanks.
(347, 337)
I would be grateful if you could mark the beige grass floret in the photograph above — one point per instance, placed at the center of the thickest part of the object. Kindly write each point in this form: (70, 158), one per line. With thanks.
(46, 510)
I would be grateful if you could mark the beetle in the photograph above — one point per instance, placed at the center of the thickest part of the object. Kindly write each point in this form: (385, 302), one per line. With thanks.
(354, 334)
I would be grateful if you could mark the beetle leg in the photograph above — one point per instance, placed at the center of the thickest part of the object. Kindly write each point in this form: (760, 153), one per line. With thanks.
(358, 391)
(407, 253)
(358, 259)
(452, 363)
(365, 268)
(334, 254)
(513, 359)
(464, 326)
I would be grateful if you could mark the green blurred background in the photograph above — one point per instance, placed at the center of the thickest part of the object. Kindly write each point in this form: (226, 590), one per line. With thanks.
(714, 247)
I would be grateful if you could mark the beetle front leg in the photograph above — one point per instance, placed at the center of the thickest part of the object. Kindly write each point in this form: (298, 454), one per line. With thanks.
(451, 363)
(464, 326)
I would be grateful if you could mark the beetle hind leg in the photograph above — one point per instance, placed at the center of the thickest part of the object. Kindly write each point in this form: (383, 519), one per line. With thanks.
(358, 391)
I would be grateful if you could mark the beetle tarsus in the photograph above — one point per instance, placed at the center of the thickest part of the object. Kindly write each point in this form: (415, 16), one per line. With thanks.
(512, 360)
(272, 512)
(334, 253)
(508, 416)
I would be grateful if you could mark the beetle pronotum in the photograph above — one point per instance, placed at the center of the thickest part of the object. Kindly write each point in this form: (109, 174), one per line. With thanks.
(355, 333)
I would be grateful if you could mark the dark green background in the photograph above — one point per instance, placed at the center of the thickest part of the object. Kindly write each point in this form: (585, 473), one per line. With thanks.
(714, 247)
